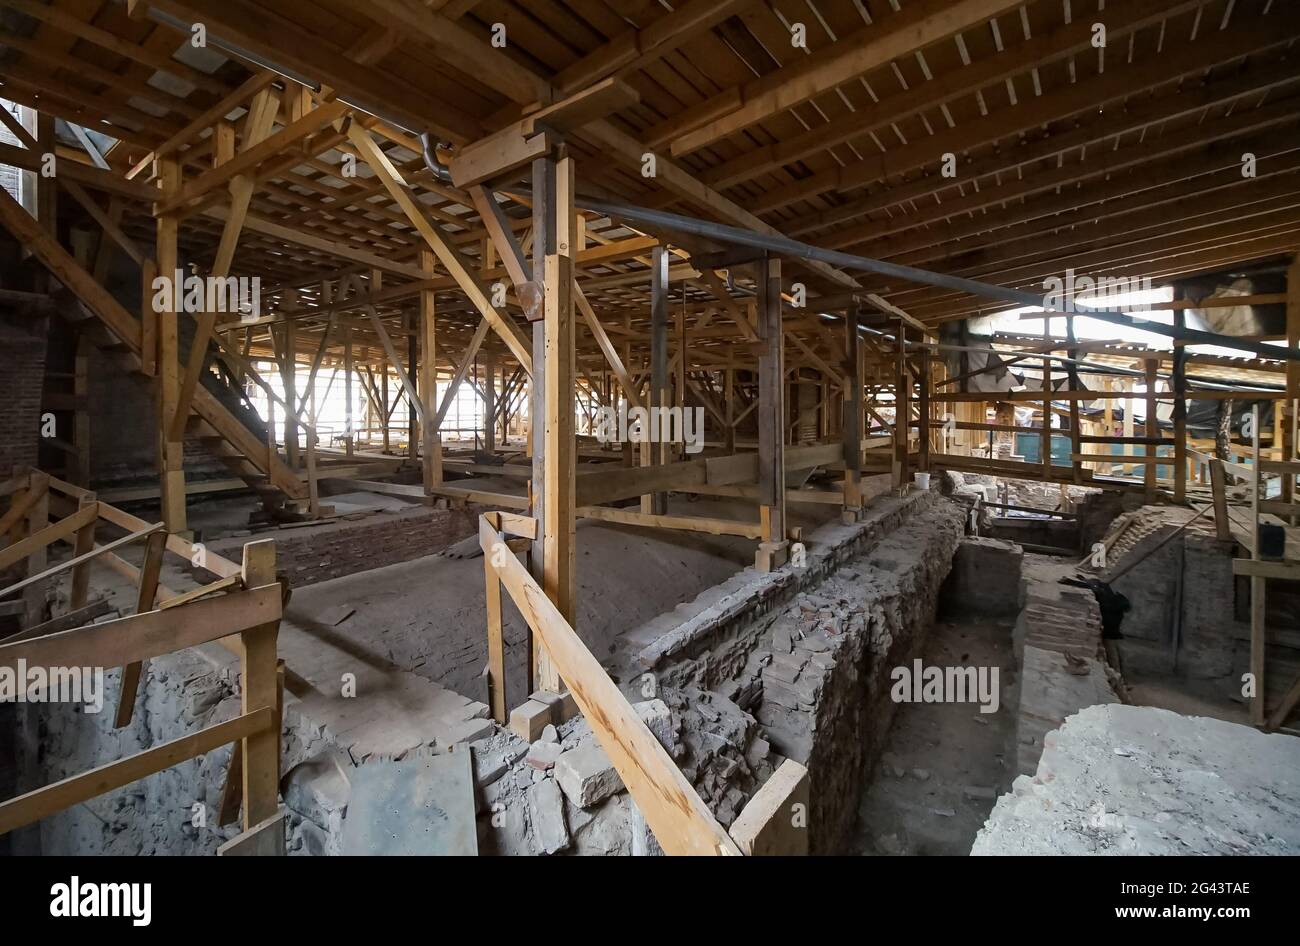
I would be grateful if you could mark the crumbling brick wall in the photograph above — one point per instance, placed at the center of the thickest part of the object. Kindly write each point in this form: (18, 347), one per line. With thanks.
(22, 365)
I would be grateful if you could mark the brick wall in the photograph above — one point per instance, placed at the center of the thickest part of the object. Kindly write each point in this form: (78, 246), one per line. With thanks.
(314, 554)
(22, 368)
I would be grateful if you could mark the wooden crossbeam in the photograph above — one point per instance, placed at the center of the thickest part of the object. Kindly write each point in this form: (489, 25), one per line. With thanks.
(448, 255)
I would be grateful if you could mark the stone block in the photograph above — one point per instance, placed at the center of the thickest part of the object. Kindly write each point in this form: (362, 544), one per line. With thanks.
(529, 718)
(542, 755)
(546, 816)
(586, 775)
(563, 706)
(659, 720)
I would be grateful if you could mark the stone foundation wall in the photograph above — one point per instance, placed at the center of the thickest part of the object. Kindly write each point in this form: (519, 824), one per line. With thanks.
(809, 651)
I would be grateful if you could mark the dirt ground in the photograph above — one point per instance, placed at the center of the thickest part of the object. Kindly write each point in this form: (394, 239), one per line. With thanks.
(944, 763)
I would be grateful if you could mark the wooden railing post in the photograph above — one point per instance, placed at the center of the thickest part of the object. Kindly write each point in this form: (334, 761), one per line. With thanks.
(495, 641)
(38, 517)
(85, 543)
(146, 592)
(261, 751)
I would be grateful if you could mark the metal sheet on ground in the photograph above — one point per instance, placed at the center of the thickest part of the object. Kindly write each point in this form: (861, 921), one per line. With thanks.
(418, 806)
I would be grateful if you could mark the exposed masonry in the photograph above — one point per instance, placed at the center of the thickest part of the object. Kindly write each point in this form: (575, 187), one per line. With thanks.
(1062, 663)
(22, 365)
(307, 556)
(1209, 637)
(808, 651)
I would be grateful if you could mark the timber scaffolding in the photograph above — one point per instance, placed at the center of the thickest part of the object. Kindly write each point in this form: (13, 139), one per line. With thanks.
(570, 207)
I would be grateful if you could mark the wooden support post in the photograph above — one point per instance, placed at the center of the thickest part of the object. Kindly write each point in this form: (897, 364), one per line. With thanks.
(1152, 430)
(923, 408)
(489, 405)
(496, 645)
(259, 690)
(1218, 485)
(38, 517)
(558, 535)
(729, 400)
(1045, 437)
(552, 363)
(851, 424)
(171, 450)
(1258, 594)
(85, 542)
(1073, 374)
(431, 448)
(81, 396)
(1291, 404)
(349, 421)
(774, 548)
(902, 408)
(289, 379)
(1180, 411)
(657, 503)
(146, 593)
(1129, 425)
(414, 405)
(387, 412)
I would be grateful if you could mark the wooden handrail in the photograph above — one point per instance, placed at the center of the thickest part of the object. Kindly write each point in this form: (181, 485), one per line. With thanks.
(82, 559)
(679, 818)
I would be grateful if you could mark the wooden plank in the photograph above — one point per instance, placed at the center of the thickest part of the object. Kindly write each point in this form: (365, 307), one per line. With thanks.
(258, 687)
(61, 530)
(146, 593)
(496, 646)
(264, 147)
(210, 561)
(431, 446)
(264, 839)
(63, 622)
(221, 584)
(893, 37)
(774, 822)
(448, 255)
(559, 573)
(32, 806)
(80, 559)
(141, 636)
(1285, 707)
(681, 822)
(1281, 571)
(23, 504)
(747, 530)
(1218, 484)
(497, 155)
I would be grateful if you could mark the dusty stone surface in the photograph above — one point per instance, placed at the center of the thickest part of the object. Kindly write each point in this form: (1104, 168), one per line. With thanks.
(586, 776)
(1121, 779)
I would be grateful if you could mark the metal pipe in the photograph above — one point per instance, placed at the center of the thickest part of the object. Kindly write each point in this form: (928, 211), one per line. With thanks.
(794, 249)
